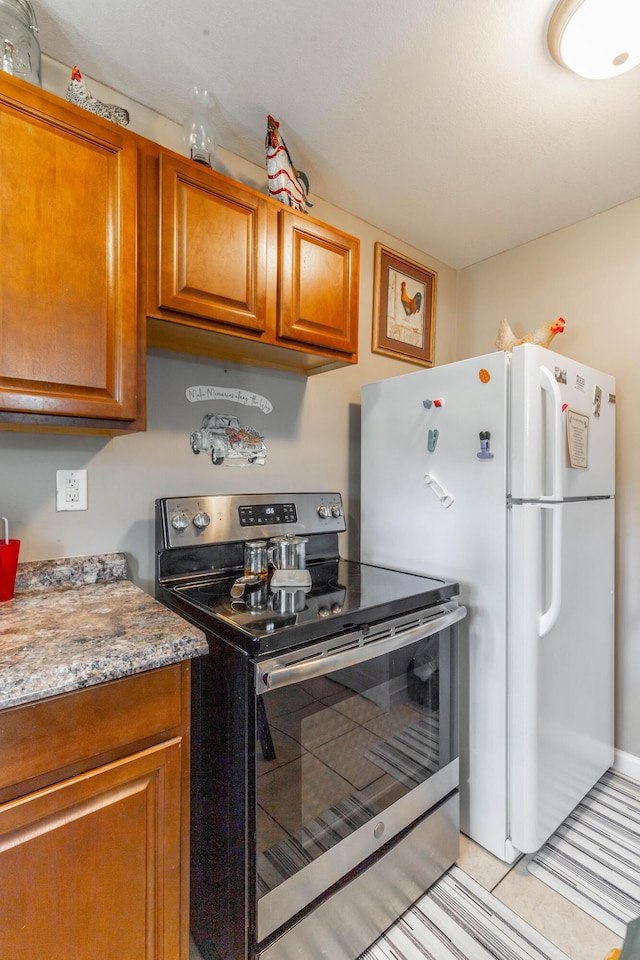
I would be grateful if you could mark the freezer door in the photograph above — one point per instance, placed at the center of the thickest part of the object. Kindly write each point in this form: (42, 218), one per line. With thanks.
(426, 494)
(548, 392)
(442, 512)
(561, 661)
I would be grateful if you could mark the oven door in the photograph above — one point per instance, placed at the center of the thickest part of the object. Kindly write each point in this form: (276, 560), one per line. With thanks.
(356, 738)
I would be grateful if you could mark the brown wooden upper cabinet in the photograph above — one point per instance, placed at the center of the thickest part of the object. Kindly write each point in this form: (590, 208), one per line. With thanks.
(236, 275)
(318, 296)
(69, 339)
(213, 247)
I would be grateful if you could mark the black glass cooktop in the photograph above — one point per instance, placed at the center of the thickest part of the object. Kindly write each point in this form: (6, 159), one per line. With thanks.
(343, 595)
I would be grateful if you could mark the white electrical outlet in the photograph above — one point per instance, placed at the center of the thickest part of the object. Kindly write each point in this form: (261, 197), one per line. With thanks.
(71, 489)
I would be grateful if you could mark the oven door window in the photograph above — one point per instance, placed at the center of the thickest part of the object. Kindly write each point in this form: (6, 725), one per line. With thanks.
(336, 751)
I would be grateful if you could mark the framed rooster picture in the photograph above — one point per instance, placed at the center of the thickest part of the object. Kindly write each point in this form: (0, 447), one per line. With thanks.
(404, 299)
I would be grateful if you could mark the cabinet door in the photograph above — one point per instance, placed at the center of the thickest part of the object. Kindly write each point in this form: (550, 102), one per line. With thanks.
(91, 867)
(68, 311)
(319, 285)
(213, 246)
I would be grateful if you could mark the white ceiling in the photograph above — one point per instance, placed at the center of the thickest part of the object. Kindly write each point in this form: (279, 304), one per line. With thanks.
(444, 122)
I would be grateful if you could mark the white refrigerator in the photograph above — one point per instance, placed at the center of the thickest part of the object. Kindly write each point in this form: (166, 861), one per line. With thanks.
(499, 472)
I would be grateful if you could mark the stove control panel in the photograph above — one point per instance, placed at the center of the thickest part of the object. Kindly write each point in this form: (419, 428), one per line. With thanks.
(195, 521)
(258, 514)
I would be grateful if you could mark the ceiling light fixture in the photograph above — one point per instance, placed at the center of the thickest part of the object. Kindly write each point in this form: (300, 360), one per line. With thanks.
(596, 38)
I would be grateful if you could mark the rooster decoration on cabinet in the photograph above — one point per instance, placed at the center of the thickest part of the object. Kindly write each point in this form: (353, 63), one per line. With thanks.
(285, 183)
(77, 93)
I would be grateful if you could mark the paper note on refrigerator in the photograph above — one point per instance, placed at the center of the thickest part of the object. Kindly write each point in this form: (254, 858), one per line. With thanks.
(578, 438)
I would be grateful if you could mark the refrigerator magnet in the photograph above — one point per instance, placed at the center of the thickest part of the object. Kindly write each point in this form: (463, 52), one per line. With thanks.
(578, 438)
(445, 499)
(597, 401)
(432, 440)
(485, 453)
(484, 375)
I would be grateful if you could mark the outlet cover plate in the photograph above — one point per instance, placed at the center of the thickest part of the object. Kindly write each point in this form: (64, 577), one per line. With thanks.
(71, 490)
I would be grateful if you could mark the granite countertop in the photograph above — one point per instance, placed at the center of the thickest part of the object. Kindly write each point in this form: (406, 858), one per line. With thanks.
(77, 622)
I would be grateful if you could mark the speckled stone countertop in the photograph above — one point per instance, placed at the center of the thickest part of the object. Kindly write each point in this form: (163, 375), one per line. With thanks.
(78, 622)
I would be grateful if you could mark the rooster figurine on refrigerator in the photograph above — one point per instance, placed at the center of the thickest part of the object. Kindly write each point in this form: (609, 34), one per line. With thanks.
(541, 336)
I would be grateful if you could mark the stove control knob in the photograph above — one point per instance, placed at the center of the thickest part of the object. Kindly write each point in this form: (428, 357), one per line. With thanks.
(179, 521)
(201, 520)
(324, 511)
(324, 612)
(336, 510)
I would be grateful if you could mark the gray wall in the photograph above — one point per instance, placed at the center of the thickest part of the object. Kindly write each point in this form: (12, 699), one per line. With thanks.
(312, 437)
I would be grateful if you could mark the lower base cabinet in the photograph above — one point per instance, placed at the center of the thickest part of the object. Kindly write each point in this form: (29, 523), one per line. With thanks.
(94, 865)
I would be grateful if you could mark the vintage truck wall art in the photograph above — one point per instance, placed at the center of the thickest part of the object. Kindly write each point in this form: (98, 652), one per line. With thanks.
(224, 438)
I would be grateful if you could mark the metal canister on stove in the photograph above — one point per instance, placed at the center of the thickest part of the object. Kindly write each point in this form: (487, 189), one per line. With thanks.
(288, 553)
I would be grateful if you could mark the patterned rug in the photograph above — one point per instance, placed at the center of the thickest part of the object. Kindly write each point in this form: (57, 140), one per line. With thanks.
(457, 919)
(593, 858)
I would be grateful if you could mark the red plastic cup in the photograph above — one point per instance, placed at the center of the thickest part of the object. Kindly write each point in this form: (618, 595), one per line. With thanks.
(9, 550)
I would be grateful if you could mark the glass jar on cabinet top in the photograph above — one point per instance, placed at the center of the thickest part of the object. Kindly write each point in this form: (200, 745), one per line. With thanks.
(19, 47)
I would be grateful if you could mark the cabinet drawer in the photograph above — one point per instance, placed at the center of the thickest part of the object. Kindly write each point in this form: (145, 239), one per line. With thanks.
(42, 737)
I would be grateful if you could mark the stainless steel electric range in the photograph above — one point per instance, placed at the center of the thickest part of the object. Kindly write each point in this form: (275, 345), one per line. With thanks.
(324, 792)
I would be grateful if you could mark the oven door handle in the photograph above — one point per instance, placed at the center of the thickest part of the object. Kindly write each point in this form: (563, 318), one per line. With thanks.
(271, 677)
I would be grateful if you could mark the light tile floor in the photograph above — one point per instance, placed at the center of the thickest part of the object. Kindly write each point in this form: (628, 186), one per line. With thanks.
(567, 926)
(560, 921)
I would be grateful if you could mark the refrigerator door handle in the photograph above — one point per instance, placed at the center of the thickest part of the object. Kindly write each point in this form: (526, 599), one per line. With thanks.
(549, 617)
(554, 443)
